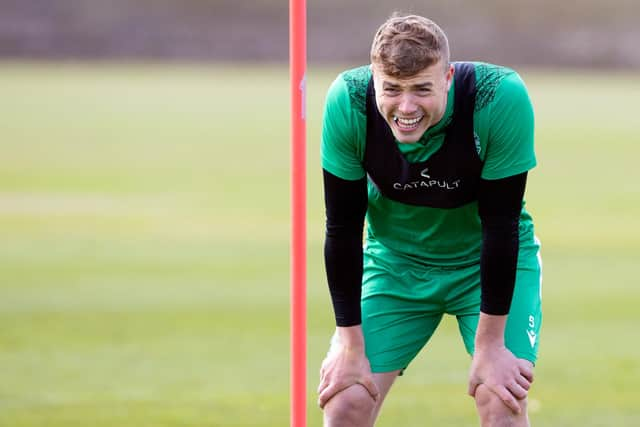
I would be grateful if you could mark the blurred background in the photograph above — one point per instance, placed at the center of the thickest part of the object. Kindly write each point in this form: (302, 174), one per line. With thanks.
(144, 208)
(587, 33)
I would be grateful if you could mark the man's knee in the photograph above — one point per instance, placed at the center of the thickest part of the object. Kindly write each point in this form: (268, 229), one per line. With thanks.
(493, 411)
(353, 406)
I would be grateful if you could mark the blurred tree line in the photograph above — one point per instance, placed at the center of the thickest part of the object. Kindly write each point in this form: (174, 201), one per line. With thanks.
(584, 33)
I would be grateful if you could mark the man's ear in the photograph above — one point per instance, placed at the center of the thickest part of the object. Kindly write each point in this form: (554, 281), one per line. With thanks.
(450, 72)
(374, 76)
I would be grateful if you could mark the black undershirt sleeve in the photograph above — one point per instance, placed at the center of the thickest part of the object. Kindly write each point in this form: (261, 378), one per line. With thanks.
(499, 207)
(346, 206)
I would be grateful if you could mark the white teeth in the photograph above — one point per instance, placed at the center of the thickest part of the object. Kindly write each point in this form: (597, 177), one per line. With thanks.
(407, 122)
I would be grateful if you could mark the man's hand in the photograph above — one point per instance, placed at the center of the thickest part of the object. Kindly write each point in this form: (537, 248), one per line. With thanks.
(504, 374)
(496, 367)
(344, 366)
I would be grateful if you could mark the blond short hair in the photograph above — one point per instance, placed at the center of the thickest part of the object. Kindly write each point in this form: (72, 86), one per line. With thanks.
(405, 45)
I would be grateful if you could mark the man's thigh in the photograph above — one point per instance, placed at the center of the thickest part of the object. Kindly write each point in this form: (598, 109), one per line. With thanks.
(522, 331)
(401, 309)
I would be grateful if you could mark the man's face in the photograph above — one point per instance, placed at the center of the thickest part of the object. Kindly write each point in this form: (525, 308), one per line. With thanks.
(414, 104)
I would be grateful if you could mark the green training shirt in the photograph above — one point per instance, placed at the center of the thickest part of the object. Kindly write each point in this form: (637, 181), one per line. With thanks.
(504, 133)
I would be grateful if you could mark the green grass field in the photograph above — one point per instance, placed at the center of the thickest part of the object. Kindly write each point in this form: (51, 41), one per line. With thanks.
(144, 226)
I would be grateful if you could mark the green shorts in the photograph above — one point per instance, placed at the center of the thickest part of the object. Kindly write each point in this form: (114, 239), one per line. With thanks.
(402, 305)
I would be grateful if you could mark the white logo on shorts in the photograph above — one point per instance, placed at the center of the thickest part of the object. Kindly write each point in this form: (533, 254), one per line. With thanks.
(532, 338)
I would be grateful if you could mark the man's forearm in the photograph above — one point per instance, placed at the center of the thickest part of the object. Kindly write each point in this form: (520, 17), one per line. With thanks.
(499, 207)
(346, 205)
(343, 263)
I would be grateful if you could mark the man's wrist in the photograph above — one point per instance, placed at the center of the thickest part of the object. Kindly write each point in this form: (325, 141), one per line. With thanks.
(490, 331)
(351, 337)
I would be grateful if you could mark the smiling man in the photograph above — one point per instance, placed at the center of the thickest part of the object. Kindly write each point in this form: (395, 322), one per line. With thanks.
(435, 154)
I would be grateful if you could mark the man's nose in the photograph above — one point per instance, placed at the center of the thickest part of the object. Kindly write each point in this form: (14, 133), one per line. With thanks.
(407, 104)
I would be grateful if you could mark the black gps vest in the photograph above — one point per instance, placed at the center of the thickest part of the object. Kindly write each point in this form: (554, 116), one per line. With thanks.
(447, 179)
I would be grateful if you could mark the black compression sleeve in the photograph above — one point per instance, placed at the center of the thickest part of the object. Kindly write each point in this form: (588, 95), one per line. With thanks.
(499, 205)
(346, 205)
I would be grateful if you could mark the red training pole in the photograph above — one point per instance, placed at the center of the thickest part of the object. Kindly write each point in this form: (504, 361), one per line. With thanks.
(298, 60)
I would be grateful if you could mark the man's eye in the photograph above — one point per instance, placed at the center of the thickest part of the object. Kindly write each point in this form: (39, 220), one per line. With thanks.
(391, 91)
